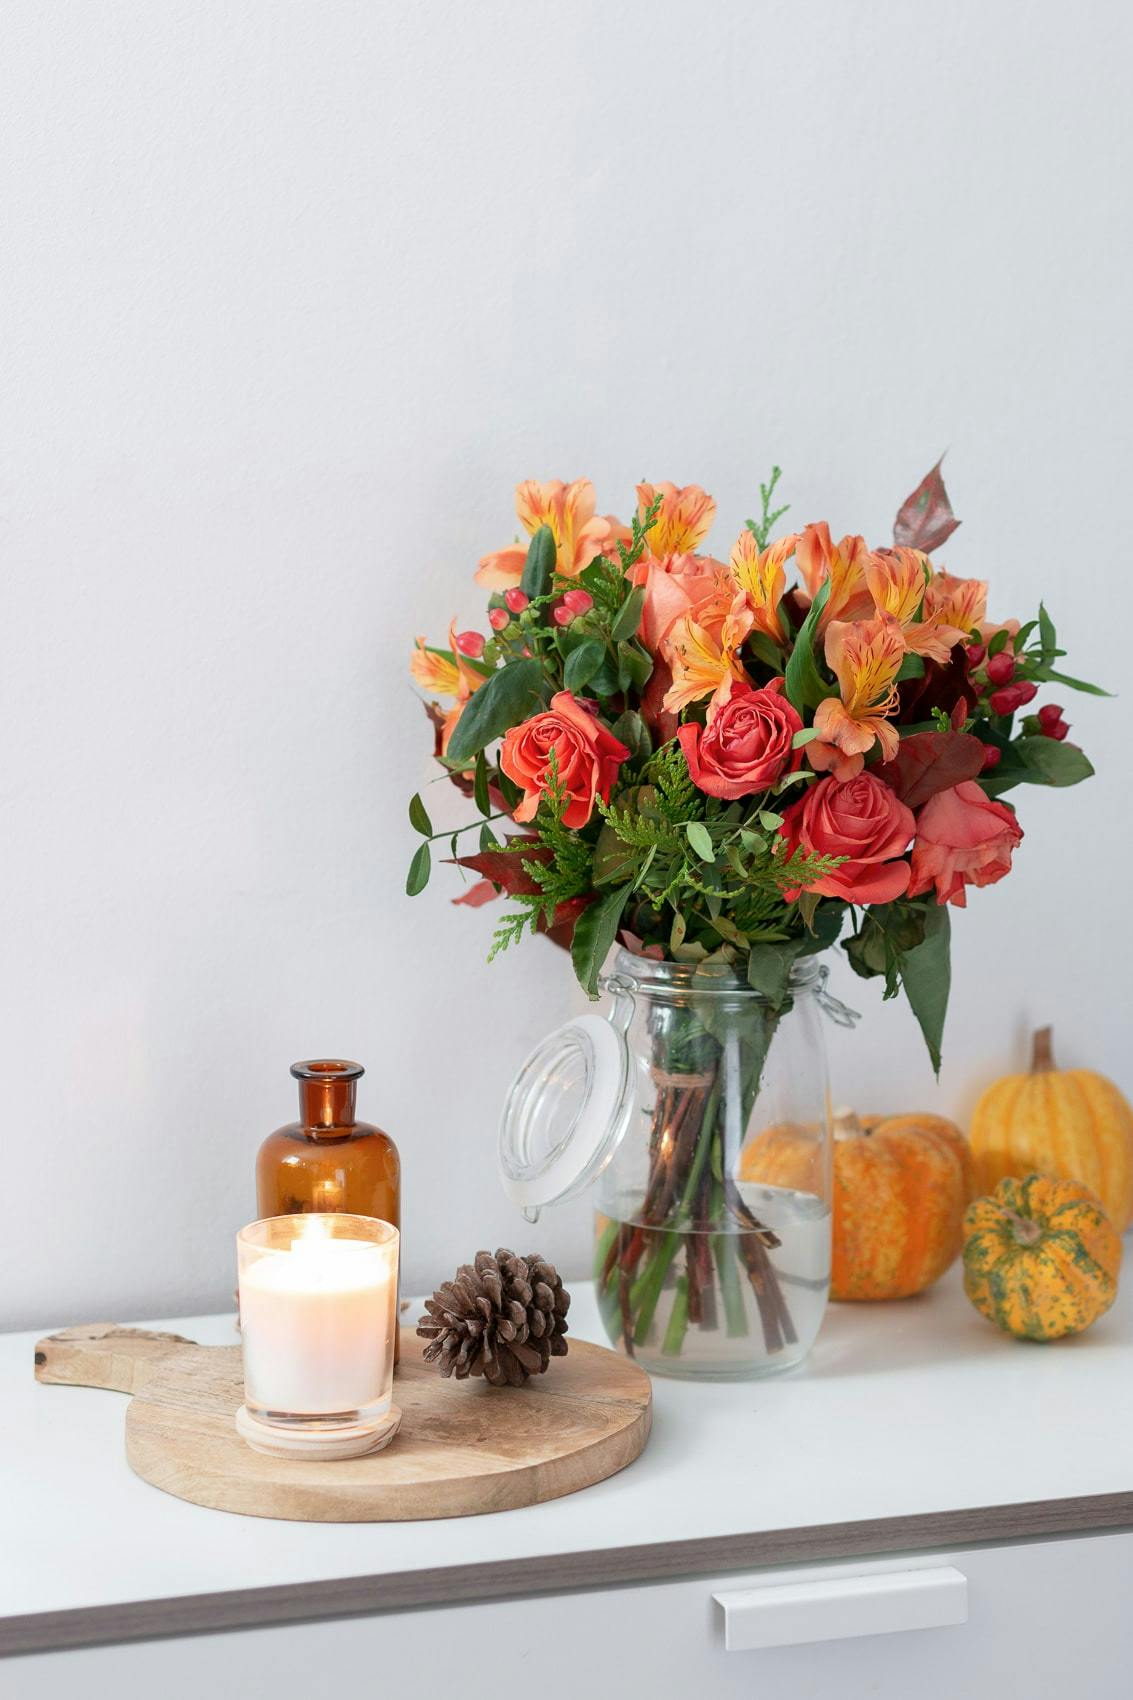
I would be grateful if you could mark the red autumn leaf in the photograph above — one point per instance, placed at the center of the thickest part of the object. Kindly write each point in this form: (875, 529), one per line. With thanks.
(929, 762)
(505, 867)
(561, 929)
(926, 519)
(477, 895)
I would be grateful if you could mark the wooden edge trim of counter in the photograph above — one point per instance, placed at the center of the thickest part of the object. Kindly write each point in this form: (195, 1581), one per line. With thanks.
(350, 1596)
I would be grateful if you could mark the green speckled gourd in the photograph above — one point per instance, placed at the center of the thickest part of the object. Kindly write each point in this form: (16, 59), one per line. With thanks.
(1040, 1257)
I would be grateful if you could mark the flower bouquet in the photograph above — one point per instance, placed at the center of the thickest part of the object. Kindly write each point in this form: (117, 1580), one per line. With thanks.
(728, 769)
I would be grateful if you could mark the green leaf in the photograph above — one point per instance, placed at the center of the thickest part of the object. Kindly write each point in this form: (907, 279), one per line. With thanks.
(488, 839)
(1071, 684)
(635, 666)
(769, 819)
(509, 696)
(631, 729)
(806, 735)
(766, 649)
(480, 786)
(911, 668)
(540, 563)
(418, 816)
(700, 838)
(997, 642)
(1050, 763)
(629, 615)
(926, 974)
(769, 970)
(805, 688)
(1047, 635)
(511, 793)
(419, 870)
(582, 664)
(594, 933)
(825, 925)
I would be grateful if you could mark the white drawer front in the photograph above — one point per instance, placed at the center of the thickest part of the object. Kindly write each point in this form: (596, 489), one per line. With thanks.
(1043, 1618)
(839, 1607)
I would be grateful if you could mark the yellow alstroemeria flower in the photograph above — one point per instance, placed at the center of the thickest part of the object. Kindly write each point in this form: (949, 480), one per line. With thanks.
(760, 575)
(843, 564)
(683, 520)
(898, 581)
(704, 659)
(578, 532)
(865, 657)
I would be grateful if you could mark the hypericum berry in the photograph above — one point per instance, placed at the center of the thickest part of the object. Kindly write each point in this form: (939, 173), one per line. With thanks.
(1025, 691)
(561, 614)
(1004, 701)
(1058, 731)
(976, 653)
(498, 618)
(470, 644)
(1050, 714)
(1001, 668)
(992, 756)
(516, 599)
(578, 601)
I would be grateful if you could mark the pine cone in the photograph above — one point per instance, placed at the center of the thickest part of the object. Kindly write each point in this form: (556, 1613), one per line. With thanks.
(501, 1317)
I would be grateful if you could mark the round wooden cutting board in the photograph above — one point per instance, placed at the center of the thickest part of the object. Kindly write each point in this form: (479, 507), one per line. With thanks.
(463, 1447)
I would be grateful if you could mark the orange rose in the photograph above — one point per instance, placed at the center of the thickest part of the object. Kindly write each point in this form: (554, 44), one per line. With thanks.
(963, 838)
(673, 587)
(863, 820)
(586, 754)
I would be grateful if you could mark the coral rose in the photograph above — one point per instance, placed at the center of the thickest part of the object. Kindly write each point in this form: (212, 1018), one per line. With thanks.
(673, 587)
(963, 838)
(863, 820)
(586, 754)
(747, 745)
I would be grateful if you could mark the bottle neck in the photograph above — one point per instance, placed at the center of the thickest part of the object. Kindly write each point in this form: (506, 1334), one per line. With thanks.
(327, 1103)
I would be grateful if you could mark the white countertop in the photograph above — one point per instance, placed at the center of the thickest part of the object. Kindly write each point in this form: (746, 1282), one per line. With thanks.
(916, 1410)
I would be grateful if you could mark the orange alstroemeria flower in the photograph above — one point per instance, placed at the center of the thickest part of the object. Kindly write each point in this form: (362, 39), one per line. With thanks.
(434, 671)
(865, 657)
(958, 602)
(703, 654)
(898, 581)
(455, 677)
(761, 577)
(579, 533)
(844, 564)
(683, 519)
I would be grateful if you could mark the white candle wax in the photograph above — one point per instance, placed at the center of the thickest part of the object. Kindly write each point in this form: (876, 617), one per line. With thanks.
(317, 1324)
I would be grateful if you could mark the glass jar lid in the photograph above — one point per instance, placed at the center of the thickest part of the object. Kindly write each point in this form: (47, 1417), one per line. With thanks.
(563, 1115)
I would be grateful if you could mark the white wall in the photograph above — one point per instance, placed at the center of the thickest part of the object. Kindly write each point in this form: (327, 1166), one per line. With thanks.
(296, 293)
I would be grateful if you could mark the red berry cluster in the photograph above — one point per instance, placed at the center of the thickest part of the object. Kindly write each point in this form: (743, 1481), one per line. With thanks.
(1051, 723)
(1011, 693)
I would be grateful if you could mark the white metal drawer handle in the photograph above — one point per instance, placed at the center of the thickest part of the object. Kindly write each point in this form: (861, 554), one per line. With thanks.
(788, 1613)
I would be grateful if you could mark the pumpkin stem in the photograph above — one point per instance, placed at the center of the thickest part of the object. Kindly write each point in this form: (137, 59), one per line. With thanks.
(1024, 1228)
(1042, 1057)
(846, 1123)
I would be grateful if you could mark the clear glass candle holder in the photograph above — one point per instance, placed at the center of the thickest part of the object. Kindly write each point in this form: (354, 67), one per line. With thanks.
(318, 1318)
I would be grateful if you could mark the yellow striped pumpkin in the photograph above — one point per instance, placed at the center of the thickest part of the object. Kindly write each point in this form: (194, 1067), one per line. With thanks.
(1068, 1122)
(1040, 1257)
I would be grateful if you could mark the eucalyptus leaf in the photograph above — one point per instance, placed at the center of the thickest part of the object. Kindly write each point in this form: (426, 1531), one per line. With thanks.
(629, 615)
(594, 934)
(540, 563)
(700, 838)
(418, 816)
(582, 664)
(805, 735)
(419, 870)
(1050, 763)
(480, 786)
(769, 819)
(510, 695)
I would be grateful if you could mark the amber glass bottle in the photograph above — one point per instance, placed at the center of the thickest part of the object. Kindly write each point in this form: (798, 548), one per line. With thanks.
(328, 1160)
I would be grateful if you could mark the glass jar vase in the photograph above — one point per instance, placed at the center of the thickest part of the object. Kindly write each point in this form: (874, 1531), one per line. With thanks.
(698, 1113)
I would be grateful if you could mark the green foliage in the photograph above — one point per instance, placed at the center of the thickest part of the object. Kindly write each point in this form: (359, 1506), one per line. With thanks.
(418, 816)
(419, 870)
(594, 934)
(539, 563)
(804, 683)
(510, 695)
(761, 528)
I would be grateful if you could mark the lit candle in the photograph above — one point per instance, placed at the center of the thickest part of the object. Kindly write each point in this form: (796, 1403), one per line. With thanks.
(318, 1311)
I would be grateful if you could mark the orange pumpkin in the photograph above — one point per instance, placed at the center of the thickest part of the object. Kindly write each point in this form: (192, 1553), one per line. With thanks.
(901, 1186)
(1068, 1122)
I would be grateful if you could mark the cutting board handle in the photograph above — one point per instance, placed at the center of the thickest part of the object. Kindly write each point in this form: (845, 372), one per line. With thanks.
(101, 1354)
